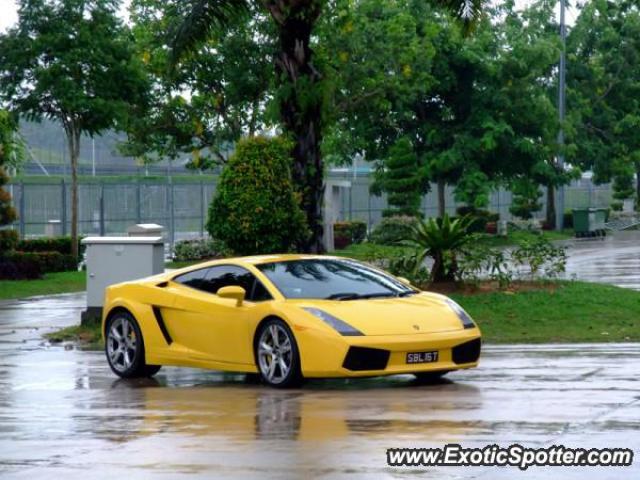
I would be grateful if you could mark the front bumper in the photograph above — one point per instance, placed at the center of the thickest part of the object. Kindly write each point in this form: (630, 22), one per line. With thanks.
(323, 355)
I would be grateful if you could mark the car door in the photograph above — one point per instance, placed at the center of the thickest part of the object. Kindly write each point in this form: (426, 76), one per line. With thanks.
(212, 327)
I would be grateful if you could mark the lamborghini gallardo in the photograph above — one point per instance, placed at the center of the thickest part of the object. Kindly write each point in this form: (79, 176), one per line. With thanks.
(286, 318)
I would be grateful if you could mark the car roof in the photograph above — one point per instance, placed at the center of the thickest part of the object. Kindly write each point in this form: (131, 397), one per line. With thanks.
(258, 259)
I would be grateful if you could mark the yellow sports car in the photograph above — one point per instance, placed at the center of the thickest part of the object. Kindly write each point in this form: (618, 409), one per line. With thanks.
(285, 317)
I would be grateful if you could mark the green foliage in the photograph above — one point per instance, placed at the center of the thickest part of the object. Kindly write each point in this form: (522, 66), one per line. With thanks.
(7, 150)
(400, 177)
(71, 62)
(206, 249)
(526, 196)
(47, 262)
(346, 233)
(255, 209)
(410, 266)
(479, 261)
(392, 230)
(540, 258)
(55, 244)
(18, 267)
(8, 240)
(623, 186)
(226, 95)
(604, 80)
(442, 240)
(479, 218)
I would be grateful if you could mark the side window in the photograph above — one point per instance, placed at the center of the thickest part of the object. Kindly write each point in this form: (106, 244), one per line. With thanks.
(226, 275)
(194, 279)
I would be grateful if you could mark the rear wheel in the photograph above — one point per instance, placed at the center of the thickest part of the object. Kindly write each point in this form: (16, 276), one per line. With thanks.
(124, 347)
(277, 356)
(430, 377)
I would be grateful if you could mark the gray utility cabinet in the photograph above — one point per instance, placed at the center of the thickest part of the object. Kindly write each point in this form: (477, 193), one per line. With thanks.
(113, 260)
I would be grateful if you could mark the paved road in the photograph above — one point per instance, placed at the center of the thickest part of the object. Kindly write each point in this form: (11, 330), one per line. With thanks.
(614, 260)
(64, 415)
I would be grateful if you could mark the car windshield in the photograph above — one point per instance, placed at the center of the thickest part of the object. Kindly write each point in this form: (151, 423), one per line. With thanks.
(332, 279)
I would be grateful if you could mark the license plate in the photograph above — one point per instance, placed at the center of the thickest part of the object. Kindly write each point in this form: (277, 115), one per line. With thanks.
(422, 357)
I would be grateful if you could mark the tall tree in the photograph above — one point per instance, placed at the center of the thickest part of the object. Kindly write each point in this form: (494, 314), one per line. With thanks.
(301, 88)
(71, 61)
(8, 149)
(211, 99)
(604, 94)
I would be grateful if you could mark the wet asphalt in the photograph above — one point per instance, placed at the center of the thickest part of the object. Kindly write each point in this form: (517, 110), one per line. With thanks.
(63, 414)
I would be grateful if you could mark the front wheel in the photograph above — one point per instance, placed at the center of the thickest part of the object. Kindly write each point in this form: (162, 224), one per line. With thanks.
(277, 356)
(124, 347)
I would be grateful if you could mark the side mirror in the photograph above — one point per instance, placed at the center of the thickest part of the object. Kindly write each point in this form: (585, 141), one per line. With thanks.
(404, 280)
(232, 291)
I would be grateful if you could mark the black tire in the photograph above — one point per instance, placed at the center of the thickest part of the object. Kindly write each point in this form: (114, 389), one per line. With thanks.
(279, 377)
(125, 353)
(430, 377)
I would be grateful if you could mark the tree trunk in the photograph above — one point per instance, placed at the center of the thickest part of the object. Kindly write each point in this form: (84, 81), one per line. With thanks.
(441, 197)
(551, 206)
(73, 140)
(301, 106)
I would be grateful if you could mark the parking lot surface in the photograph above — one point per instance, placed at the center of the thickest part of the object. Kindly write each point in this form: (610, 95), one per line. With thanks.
(63, 414)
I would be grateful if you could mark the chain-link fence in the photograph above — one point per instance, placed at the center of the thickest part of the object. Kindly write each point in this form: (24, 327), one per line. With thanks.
(109, 208)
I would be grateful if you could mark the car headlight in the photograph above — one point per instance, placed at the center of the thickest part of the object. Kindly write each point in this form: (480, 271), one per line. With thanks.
(464, 317)
(338, 325)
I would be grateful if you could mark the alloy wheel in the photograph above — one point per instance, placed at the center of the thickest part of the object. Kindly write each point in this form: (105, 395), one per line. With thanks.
(122, 345)
(275, 353)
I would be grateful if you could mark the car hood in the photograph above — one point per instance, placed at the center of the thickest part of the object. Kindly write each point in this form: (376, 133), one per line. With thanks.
(415, 314)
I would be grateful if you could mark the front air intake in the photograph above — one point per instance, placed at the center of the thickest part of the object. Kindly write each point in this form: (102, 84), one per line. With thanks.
(468, 352)
(361, 358)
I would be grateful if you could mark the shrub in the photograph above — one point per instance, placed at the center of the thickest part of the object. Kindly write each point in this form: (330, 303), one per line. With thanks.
(47, 262)
(48, 244)
(8, 240)
(204, 249)
(479, 218)
(19, 268)
(540, 258)
(440, 239)
(617, 206)
(346, 233)
(568, 220)
(392, 230)
(256, 209)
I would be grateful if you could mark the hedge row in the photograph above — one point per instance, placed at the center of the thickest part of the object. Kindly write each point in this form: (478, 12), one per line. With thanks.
(29, 265)
(55, 244)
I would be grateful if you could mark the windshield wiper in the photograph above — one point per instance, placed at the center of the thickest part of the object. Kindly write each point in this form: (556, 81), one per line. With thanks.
(355, 296)
(407, 293)
(343, 296)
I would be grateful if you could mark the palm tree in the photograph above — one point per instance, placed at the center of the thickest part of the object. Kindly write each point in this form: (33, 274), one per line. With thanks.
(300, 93)
(440, 239)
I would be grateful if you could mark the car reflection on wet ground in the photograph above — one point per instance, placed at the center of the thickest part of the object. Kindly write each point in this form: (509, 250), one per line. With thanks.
(63, 414)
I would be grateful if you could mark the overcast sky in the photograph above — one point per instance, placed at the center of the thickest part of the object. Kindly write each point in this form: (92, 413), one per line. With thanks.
(8, 12)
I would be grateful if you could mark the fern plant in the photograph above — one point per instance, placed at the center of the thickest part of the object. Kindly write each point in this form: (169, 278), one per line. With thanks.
(440, 239)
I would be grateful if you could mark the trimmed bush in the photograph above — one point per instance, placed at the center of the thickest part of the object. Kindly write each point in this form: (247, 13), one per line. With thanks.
(205, 249)
(392, 230)
(8, 240)
(19, 268)
(256, 208)
(346, 233)
(48, 244)
(47, 262)
(479, 218)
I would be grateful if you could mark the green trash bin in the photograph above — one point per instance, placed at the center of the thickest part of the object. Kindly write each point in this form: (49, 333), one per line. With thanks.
(589, 222)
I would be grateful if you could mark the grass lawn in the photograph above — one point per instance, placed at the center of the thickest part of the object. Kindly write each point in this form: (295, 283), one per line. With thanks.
(51, 283)
(88, 336)
(371, 251)
(565, 312)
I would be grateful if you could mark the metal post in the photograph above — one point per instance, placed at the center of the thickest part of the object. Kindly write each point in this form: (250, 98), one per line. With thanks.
(138, 202)
(172, 231)
(561, 112)
(102, 229)
(351, 201)
(21, 209)
(369, 211)
(201, 209)
(63, 206)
